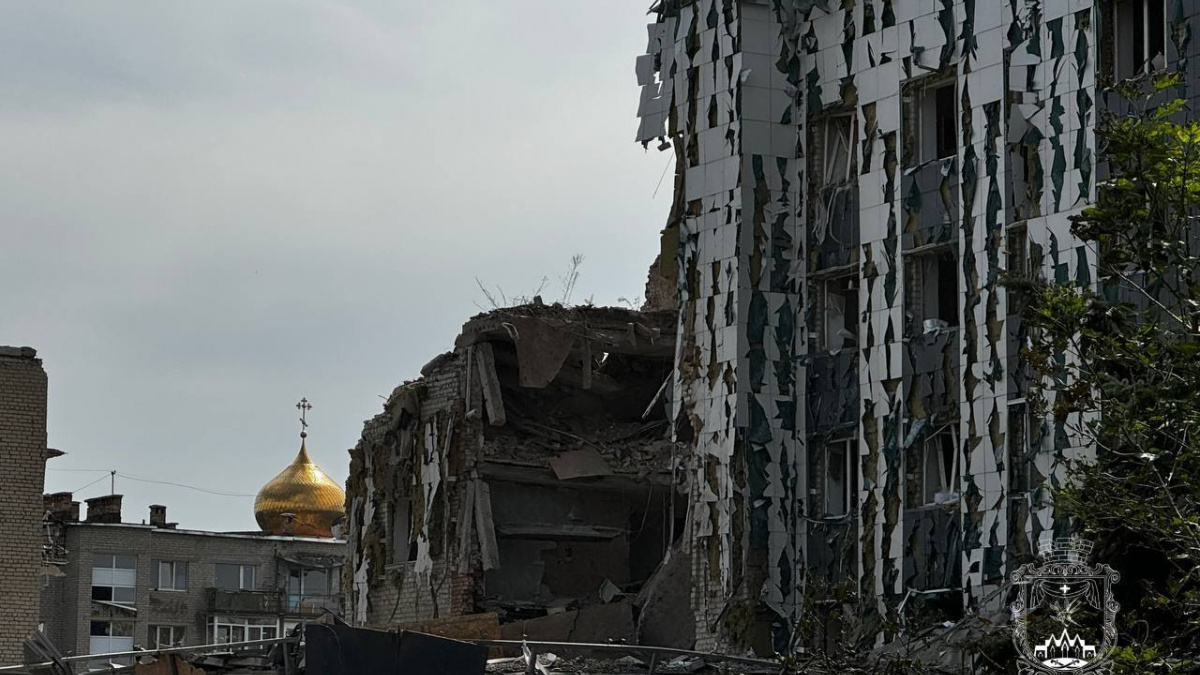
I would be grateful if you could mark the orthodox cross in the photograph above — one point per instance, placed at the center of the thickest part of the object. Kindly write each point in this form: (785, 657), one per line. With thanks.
(303, 406)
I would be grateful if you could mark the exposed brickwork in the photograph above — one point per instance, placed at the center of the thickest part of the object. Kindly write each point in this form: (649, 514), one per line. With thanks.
(401, 599)
(23, 456)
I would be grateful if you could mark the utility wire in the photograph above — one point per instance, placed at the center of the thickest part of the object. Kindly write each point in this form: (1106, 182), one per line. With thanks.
(110, 472)
(182, 485)
(106, 475)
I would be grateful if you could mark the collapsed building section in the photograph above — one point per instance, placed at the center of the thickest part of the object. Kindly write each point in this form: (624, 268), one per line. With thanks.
(528, 473)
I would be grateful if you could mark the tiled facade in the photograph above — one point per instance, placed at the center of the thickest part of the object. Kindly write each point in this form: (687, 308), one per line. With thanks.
(69, 610)
(23, 456)
(854, 180)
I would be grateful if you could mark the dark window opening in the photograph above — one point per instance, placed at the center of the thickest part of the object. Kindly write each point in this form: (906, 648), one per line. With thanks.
(1018, 449)
(1139, 34)
(944, 122)
(937, 474)
(404, 546)
(928, 118)
(833, 478)
(931, 292)
(837, 312)
(1018, 266)
(1018, 253)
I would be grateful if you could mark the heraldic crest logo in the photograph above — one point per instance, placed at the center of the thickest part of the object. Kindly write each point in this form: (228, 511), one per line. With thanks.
(1064, 614)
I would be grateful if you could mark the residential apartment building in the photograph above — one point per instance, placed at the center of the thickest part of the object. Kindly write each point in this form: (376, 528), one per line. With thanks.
(153, 584)
(854, 180)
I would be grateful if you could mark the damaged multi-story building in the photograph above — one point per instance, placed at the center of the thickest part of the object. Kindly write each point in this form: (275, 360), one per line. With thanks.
(834, 412)
(854, 180)
(529, 472)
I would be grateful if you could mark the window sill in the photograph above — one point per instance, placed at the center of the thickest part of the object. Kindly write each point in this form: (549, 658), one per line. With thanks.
(946, 505)
(169, 590)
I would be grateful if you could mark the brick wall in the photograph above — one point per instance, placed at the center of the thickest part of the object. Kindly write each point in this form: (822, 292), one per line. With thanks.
(68, 620)
(23, 456)
(400, 598)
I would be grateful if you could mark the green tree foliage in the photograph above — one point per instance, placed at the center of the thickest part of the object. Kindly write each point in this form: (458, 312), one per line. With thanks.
(1126, 354)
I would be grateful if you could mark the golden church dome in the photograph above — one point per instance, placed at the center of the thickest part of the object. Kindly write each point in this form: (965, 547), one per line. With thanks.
(305, 491)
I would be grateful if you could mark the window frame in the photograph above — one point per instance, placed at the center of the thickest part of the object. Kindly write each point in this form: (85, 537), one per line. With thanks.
(850, 320)
(242, 585)
(848, 447)
(916, 300)
(245, 624)
(176, 635)
(935, 93)
(831, 127)
(931, 444)
(1020, 476)
(1147, 59)
(113, 565)
(175, 567)
(922, 118)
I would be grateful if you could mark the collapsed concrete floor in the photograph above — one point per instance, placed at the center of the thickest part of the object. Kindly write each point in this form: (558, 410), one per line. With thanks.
(527, 479)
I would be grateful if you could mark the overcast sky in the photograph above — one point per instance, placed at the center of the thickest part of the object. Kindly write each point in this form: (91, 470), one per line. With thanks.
(212, 209)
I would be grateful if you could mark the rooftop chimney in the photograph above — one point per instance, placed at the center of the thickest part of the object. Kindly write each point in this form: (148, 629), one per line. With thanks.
(158, 515)
(60, 507)
(106, 509)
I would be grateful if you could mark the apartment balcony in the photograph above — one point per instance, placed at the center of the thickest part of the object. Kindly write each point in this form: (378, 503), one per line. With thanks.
(243, 602)
(272, 602)
(311, 605)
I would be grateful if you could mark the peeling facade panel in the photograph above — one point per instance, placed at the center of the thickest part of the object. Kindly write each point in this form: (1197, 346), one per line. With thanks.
(853, 180)
(528, 473)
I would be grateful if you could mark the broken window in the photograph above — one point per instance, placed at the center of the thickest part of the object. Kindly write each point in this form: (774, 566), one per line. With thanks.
(1017, 252)
(1018, 266)
(164, 637)
(835, 204)
(833, 478)
(839, 471)
(939, 468)
(1018, 449)
(931, 291)
(942, 116)
(404, 547)
(837, 313)
(839, 144)
(929, 123)
(1139, 37)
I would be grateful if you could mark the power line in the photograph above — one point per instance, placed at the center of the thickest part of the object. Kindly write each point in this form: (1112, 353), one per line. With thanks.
(106, 474)
(110, 472)
(182, 485)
